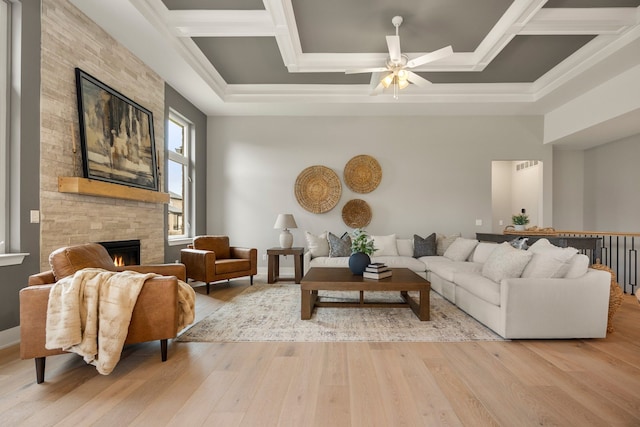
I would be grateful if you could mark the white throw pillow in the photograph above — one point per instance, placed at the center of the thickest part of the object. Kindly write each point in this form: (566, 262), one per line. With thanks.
(543, 266)
(318, 245)
(505, 262)
(405, 247)
(460, 249)
(578, 266)
(385, 245)
(443, 242)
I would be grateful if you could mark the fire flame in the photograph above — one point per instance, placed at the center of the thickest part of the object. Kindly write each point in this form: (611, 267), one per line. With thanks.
(118, 261)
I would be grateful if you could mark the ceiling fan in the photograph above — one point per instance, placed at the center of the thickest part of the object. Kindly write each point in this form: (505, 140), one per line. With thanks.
(397, 72)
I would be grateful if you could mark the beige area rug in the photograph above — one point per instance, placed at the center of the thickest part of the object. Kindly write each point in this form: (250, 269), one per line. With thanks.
(272, 313)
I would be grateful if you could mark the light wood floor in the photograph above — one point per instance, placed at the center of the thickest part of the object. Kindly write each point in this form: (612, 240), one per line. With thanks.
(517, 383)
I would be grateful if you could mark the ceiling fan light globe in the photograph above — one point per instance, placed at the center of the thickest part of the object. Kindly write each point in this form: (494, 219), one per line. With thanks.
(388, 80)
(403, 84)
(403, 75)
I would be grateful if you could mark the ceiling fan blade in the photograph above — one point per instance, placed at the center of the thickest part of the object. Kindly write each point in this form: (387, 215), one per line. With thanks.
(417, 80)
(393, 43)
(376, 84)
(430, 57)
(366, 70)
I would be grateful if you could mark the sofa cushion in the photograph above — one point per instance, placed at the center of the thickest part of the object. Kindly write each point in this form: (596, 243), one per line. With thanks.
(400, 262)
(448, 270)
(505, 262)
(325, 261)
(424, 247)
(405, 247)
(385, 245)
(460, 249)
(578, 266)
(224, 266)
(482, 251)
(431, 261)
(339, 246)
(443, 242)
(318, 245)
(480, 286)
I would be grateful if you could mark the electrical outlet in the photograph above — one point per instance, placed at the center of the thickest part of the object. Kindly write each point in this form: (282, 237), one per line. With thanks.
(34, 216)
(501, 222)
(264, 257)
(478, 222)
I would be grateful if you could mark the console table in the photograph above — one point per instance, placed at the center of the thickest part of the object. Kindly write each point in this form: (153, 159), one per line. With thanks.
(273, 270)
(591, 244)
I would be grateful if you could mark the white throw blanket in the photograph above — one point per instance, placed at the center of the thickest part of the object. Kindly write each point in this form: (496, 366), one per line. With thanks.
(89, 313)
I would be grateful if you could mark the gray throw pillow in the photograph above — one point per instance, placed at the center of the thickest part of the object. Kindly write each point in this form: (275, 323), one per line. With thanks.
(424, 247)
(339, 246)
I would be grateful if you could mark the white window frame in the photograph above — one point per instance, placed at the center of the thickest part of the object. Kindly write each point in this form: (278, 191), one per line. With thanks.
(186, 161)
(10, 17)
(5, 63)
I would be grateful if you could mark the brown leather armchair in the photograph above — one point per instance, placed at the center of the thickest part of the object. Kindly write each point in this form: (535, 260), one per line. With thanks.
(211, 259)
(154, 317)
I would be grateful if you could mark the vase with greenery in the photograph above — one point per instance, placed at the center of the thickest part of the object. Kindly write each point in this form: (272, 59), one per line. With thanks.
(361, 250)
(520, 221)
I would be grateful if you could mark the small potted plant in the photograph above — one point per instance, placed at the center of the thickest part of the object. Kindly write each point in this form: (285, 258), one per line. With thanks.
(520, 221)
(361, 250)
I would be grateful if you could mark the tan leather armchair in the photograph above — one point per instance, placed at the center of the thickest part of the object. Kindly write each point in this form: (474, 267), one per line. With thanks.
(211, 259)
(155, 314)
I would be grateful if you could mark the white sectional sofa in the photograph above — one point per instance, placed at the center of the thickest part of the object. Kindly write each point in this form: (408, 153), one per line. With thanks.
(544, 292)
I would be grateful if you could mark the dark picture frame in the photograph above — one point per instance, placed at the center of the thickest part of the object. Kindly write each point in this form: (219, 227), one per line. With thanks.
(116, 135)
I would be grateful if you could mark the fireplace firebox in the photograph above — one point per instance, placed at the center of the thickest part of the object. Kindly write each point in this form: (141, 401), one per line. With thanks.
(123, 252)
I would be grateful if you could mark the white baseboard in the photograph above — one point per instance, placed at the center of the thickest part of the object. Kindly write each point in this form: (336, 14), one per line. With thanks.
(9, 337)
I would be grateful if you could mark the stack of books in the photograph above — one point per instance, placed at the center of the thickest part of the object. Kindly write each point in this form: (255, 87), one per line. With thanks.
(377, 270)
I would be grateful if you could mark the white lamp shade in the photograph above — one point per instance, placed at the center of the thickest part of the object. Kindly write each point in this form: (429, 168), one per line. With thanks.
(285, 221)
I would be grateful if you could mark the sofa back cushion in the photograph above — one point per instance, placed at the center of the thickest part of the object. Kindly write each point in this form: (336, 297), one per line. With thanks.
(385, 245)
(217, 244)
(66, 261)
(405, 247)
(548, 261)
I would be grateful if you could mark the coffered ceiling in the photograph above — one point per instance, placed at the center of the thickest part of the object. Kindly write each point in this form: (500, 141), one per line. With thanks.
(290, 56)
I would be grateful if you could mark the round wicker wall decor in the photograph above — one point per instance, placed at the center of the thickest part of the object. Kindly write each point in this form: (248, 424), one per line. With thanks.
(362, 174)
(356, 213)
(318, 189)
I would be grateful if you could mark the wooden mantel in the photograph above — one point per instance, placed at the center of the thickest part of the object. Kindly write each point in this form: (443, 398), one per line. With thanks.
(90, 187)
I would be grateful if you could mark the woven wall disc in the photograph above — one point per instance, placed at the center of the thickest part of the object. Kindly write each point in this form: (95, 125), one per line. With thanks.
(318, 189)
(362, 174)
(356, 213)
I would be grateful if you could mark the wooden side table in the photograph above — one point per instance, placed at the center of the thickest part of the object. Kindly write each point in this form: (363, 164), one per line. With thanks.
(273, 255)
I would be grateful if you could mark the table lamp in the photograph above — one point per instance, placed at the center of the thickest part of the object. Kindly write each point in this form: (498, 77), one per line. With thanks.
(284, 222)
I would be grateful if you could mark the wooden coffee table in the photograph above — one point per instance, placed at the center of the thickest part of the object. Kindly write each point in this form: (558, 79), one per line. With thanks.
(341, 279)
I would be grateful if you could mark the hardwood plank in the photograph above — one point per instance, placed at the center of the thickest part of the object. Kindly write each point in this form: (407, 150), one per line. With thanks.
(366, 400)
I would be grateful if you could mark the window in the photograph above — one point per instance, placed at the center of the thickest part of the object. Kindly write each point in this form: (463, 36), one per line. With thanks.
(5, 63)
(179, 148)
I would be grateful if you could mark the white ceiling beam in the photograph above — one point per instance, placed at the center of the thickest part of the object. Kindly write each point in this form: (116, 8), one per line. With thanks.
(221, 23)
(568, 21)
(288, 40)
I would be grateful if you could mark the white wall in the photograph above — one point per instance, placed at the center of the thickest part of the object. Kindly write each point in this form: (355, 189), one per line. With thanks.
(612, 186)
(568, 190)
(436, 171)
(501, 195)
